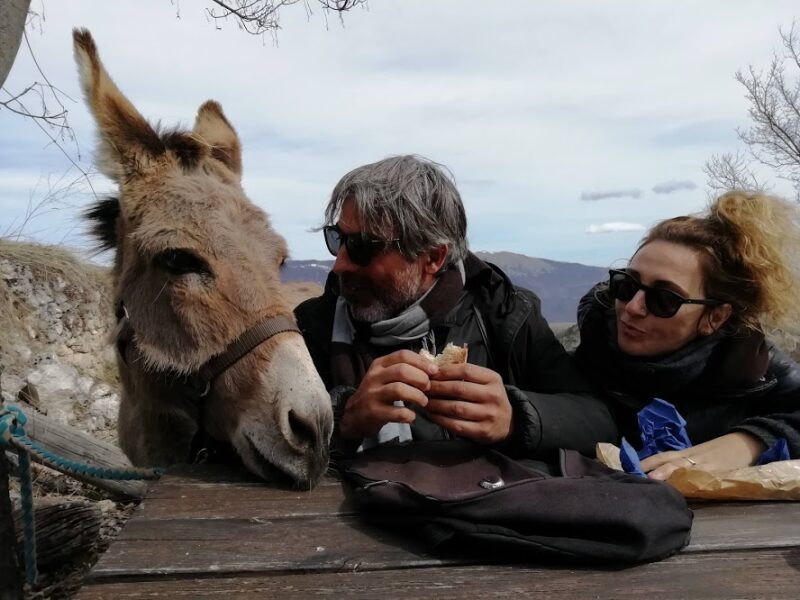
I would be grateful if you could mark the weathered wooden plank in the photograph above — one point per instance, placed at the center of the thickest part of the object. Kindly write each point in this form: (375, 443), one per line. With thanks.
(216, 474)
(715, 525)
(757, 574)
(220, 491)
(238, 527)
(207, 474)
(289, 543)
(217, 501)
(224, 546)
(75, 445)
(745, 525)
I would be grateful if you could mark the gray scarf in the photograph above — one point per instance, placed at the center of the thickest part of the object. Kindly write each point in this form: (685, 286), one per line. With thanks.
(350, 352)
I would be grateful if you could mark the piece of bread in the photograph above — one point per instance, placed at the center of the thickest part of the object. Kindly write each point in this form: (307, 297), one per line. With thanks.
(451, 355)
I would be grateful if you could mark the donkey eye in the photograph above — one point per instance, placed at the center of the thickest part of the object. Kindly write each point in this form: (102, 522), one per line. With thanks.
(181, 262)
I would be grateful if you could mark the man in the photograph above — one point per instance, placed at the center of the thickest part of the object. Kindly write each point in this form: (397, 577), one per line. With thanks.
(404, 280)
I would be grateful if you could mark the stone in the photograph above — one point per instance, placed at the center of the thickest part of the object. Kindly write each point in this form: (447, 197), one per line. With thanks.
(59, 388)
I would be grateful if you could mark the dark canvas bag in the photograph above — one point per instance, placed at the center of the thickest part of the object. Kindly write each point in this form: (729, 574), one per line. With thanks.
(463, 497)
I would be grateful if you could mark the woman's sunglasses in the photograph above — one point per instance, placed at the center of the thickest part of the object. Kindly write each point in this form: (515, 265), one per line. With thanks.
(361, 248)
(660, 302)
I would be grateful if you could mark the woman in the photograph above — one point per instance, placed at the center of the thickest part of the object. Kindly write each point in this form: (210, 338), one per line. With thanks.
(684, 323)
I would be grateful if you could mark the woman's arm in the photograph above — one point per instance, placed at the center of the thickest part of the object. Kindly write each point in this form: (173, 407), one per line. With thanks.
(729, 451)
(776, 416)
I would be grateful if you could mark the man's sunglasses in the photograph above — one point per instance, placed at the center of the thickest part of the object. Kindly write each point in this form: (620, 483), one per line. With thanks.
(361, 248)
(660, 302)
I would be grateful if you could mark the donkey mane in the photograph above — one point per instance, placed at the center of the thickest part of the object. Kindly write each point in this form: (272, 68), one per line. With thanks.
(184, 146)
(103, 215)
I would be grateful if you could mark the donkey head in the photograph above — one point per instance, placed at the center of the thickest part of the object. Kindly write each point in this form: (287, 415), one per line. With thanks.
(197, 265)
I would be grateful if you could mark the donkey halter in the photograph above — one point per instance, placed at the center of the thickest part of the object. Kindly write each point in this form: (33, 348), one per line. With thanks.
(199, 383)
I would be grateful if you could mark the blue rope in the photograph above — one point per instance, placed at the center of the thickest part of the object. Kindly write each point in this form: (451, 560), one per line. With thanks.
(28, 520)
(12, 433)
(81, 469)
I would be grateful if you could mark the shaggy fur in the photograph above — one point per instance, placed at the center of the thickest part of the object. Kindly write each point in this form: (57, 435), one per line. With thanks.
(180, 199)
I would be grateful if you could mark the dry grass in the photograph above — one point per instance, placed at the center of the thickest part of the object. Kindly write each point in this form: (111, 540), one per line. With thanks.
(81, 282)
(49, 261)
(300, 291)
(12, 313)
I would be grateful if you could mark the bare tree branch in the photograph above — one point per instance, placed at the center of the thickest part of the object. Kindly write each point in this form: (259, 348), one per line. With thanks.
(51, 117)
(48, 195)
(728, 171)
(52, 114)
(773, 137)
(259, 17)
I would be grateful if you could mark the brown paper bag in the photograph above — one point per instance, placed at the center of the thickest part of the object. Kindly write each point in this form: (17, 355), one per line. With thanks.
(774, 481)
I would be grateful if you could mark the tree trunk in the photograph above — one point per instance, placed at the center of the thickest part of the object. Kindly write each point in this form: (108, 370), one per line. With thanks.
(73, 444)
(64, 529)
(10, 581)
(12, 25)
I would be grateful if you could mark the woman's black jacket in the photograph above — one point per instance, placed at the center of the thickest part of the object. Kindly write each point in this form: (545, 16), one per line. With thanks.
(719, 384)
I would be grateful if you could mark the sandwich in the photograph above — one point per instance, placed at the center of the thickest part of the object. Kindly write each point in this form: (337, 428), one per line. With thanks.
(451, 355)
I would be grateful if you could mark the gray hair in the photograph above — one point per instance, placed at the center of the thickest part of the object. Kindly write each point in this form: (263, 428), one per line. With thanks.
(410, 196)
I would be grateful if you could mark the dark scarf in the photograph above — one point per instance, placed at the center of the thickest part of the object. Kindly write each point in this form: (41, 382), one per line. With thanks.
(354, 344)
(708, 364)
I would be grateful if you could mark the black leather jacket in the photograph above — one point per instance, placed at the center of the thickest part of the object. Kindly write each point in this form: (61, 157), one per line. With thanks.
(505, 331)
(719, 384)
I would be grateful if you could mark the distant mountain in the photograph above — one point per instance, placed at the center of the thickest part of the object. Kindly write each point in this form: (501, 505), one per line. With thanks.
(306, 270)
(559, 284)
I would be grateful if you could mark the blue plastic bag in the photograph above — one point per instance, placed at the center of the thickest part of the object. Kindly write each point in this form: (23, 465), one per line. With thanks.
(778, 451)
(661, 428)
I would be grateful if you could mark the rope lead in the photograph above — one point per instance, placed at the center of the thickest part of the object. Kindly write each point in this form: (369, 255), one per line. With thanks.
(12, 434)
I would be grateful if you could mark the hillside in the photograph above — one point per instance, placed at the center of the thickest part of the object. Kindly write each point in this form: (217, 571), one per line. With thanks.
(559, 284)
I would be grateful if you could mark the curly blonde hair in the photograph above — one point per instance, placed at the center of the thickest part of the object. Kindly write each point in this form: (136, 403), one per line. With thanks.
(750, 249)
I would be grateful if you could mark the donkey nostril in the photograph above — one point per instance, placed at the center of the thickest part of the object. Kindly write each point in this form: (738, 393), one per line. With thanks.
(303, 430)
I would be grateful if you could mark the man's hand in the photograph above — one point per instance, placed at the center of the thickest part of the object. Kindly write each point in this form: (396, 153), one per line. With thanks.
(401, 375)
(729, 451)
(470, 401)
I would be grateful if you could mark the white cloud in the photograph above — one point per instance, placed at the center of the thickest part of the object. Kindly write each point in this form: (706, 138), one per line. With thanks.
(669, 187)
(605, 195)
(614, 227)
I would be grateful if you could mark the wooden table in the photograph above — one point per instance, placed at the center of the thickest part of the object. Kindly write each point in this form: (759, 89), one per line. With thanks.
(205, 532)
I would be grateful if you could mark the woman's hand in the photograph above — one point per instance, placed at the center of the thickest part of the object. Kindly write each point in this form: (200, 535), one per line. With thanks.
(729, 451)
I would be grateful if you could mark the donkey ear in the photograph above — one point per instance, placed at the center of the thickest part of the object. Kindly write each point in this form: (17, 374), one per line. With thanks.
(126, 139)
(214, 129)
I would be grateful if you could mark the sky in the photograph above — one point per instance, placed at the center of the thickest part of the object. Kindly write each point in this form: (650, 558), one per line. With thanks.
(570, 127)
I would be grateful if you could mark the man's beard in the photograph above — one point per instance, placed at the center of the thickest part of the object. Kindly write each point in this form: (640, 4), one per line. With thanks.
(370, 303)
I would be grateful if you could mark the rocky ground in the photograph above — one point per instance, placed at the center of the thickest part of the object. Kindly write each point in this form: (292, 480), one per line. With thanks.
(54, 325)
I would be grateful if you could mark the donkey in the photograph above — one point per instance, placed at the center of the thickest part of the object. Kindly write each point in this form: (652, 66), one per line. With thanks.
(207, 344)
